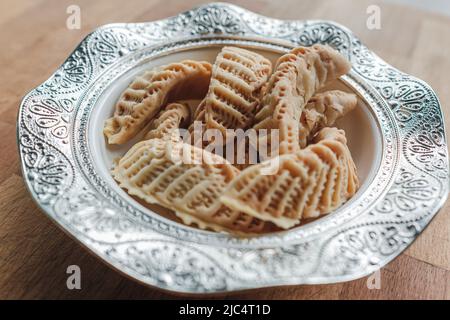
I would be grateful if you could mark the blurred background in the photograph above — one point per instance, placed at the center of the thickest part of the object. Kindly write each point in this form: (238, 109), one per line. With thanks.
(438, 6)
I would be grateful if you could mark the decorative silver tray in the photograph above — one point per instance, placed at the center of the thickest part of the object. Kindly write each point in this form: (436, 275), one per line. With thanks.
(406, 181)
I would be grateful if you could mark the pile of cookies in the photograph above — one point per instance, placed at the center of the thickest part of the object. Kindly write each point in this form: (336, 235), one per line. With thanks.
(308, 172)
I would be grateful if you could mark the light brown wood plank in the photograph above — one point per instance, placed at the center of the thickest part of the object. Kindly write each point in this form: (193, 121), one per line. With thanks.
(433, 246)
(404, 278)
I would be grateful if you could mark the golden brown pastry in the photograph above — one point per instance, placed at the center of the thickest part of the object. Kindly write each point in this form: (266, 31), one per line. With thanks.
(298, 75)
(322, 110)
(142, 100)
(204, 189)
(185, 179)
(166, 124)
(309, 183)
(233, 95)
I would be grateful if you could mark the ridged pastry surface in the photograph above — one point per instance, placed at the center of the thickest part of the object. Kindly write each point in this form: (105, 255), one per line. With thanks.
(306, 184)
(153, 171)
(147, 94)
(297, 76)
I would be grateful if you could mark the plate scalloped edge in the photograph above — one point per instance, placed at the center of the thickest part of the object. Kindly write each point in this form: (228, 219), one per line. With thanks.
(146, 249)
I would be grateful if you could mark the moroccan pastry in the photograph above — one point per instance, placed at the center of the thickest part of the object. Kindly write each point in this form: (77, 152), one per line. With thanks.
(322, 110)
(228, 145)
(166, 124)
(313, 175)
(298, 75)
(233, 94)
(185, 179)
(145, 96)
(311, 182)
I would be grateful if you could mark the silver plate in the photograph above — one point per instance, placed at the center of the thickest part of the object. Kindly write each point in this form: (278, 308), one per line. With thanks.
(408, 188)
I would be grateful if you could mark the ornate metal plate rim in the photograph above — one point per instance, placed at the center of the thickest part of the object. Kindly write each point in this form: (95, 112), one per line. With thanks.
(140, 247)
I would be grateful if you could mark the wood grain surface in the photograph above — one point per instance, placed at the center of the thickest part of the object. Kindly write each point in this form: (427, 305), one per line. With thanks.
(34, 253)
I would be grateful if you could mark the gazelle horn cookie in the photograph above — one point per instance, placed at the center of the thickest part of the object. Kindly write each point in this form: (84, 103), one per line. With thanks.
(312, 182)
(322, 110)
(233, 94)
(144, 97)
(152, 171)
(298, 75)
(168, 121)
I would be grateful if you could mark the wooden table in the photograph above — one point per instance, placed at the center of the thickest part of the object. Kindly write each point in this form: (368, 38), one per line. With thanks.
(34, 253)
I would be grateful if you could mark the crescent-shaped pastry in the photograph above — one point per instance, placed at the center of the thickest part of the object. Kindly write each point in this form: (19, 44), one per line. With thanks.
(233, 94)
(168, 121)
(298, 75)
(144, 97)
(309, 183)
(322, 110)
(185, 179)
